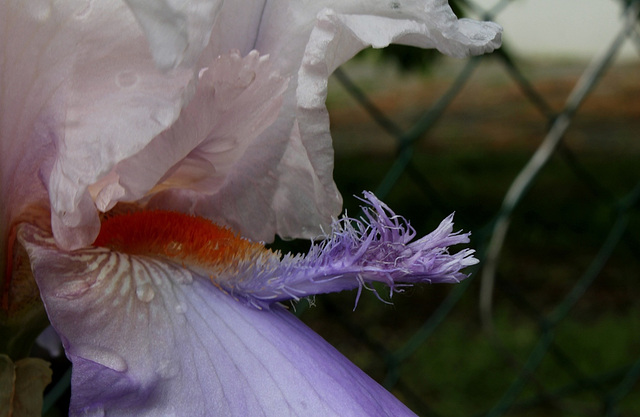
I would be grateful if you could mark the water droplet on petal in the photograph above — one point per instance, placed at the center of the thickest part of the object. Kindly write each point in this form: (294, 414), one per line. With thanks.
(145, 292)
(39, 9)
(96, 412)
(103, 357)
(170, 411)
(245, 79)
(84, 11)
(182, 276)
(163, 116)
(73, 289)
(168, 369)
(181, 308)
(126, 79)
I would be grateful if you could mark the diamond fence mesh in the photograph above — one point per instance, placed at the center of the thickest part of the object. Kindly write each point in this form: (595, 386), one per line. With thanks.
(540, 161)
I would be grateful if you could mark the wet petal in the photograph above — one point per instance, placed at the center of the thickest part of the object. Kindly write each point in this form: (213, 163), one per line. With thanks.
(79, 92)
(236, 99)
(178, 31)
(150, 338)
(283, 184)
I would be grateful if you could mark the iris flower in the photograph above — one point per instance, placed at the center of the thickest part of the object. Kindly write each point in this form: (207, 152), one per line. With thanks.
(149, 147)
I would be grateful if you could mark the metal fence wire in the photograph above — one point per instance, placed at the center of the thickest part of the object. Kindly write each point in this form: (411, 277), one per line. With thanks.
(548, 324)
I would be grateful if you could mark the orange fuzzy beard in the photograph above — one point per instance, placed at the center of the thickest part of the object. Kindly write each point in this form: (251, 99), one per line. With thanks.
(176, 236)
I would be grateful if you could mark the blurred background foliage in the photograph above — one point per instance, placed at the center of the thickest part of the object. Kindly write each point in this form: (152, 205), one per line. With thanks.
(558, 333)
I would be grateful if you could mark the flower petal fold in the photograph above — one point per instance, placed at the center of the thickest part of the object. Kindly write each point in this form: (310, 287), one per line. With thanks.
(86, 87)
(148, 338)
(177, 30)
(79, 92)
(241, 96)
(283, 184)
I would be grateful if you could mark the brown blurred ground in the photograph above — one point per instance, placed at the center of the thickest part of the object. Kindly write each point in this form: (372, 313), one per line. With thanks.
(490, 110)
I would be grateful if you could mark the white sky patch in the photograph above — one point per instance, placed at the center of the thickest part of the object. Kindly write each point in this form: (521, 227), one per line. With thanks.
(572, 29)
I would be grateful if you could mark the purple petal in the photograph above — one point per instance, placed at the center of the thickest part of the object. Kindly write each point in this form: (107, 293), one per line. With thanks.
(378, 248)
(149, 338)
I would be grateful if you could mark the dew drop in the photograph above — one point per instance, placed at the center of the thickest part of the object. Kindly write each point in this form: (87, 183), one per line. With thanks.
(103, 357)
(126, 79)
(170, 411)
(181, 308)
(168, 369)
(73, 289)
(96, 412)
(39, 9)
(183, 276)
(163, 116)
(174, 249)
(246, 78)
(84, 11)
(145, 292)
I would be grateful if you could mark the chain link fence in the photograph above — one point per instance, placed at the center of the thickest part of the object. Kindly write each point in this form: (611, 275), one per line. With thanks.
(541, 162)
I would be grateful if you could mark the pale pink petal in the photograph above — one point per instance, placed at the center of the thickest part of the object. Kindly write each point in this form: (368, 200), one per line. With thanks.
(81, 94)
(79, 91)
(283, 183)
(177, 30)
(236, 99)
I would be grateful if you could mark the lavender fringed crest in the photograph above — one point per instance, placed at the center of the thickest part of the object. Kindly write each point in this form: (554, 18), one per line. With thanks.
(377, 247)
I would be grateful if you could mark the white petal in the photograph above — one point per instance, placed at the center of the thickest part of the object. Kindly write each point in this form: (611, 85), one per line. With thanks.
(178, 30)
(283, 184)
(79, 91)
(236, 99)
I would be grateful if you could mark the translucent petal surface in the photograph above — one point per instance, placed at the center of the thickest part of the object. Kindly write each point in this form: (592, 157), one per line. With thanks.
(149, 338)
(283, 183)
(235, 100)
(79, 91)
(178, 30)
